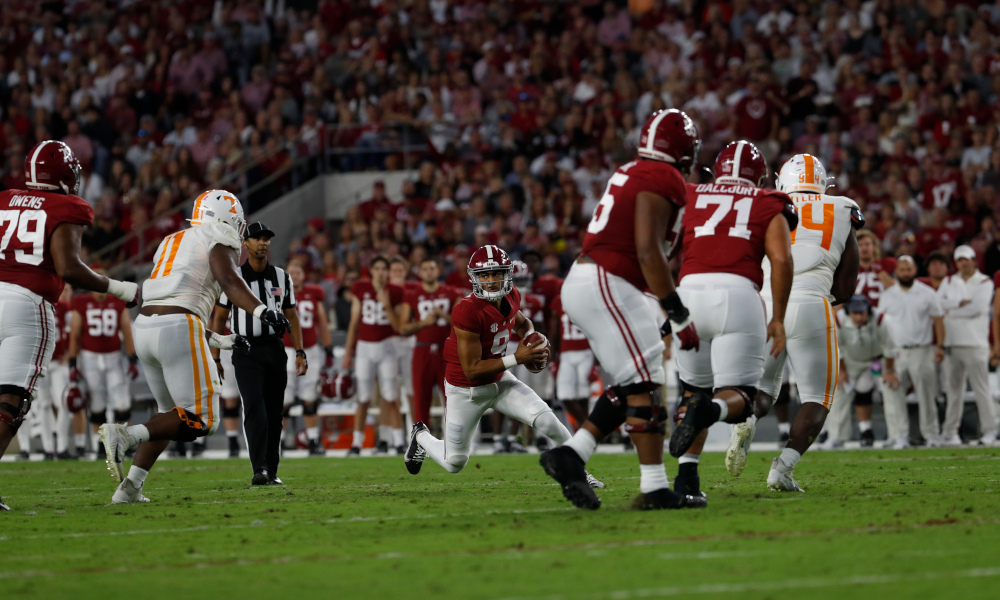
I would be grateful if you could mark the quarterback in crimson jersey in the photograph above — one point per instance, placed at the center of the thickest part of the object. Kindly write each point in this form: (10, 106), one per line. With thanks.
(728, 228)
(315, 331)
(477, 375)
(633, 232)
(39, 250)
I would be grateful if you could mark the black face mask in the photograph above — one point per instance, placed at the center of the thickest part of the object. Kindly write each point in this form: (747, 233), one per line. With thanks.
(906, 282)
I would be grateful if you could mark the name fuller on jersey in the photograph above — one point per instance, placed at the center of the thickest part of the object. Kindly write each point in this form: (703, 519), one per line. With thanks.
(21, 201)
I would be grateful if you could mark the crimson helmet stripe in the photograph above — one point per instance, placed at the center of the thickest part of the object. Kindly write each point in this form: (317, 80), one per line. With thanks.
(651, 138)
(736, 158)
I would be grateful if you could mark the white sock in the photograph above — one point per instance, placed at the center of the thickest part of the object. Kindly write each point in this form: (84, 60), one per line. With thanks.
(790, 457)
(689, 458)
(784, 427)
(24, 438)
(137, 434)
(384, 433)
(864, 426)
(80, 439)
(312, 433)
(723, 408)
(48, 428)
(232, 433)
(583, 443)
(397, 437)
(359, 439)
(497, 437)
(95, 441)
(137, 475)
(511, 437)
(652, 478)
(752, 420)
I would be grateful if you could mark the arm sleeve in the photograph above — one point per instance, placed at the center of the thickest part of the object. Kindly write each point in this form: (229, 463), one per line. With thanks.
(979, 305)
(290, 296)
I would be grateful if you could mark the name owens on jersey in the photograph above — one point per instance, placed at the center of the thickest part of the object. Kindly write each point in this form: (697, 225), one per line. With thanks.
(817, 243)
(724, 227)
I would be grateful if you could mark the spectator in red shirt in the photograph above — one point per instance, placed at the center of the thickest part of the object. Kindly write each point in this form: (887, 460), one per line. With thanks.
(756, 115)
(378, 201)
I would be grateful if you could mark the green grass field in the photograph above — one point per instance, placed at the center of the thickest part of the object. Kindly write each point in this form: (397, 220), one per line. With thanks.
(876, 524)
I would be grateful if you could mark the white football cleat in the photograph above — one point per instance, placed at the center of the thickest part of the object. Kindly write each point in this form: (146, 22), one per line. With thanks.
(951, 441)
(780, 477)
(127, 493)
(739, 445)
(989, 439)
(594, 482)
(901, 444)
(934, 442)
(115, 442)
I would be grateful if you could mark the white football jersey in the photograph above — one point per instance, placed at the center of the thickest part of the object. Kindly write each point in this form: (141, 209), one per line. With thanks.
(817, 243)
(182, 275)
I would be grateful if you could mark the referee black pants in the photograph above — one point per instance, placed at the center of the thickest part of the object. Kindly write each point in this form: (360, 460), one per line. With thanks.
(261, 378)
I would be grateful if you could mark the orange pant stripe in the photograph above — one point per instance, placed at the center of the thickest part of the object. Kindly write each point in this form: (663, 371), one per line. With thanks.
(208, 374)
(830, 376)
(196, 367)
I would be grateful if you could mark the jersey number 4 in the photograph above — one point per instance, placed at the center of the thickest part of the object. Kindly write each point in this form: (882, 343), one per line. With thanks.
(35, 237)
(725, 205)
(807, 221)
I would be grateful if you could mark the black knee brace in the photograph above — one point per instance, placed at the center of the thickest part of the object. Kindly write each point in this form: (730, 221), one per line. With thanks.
(749, 393)
(687, 387)
(122, 416)
(99, 417)
(192, 427)
(231, 413)
(863, 398)
(611, 409)
(655, 416)
(12, 415)
(784, 395)
(309, 409)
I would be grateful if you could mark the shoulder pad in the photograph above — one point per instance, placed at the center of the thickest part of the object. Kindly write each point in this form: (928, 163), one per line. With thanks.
(857, 218)
(223, 234)
(791, 213)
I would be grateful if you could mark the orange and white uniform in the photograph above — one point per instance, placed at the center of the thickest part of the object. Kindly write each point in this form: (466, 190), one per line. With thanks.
(173, 348)
(810, 323)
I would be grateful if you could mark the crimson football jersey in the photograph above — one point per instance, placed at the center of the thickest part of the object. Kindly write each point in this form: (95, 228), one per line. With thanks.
(939, 193)
(547, 286)
(100, 322)
(493, 326)
(63, 325)
(533, 308)
(570, 336)
(869, 285)
(423, 303)
(27, 220)
(307, 302)
(724, 228)
(375, 325)
(610, 239)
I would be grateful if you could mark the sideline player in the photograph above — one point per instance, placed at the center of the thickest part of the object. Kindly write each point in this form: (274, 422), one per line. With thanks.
(191, 268)
(478, 365)
(426, 315)
(874, 272)
(633, 233)
(231, 399)
(402, 348)
(315, 331)
(825, 252)
(374, 321)
(728, 229)
(39, 251)
(95, 354)
(575, 361)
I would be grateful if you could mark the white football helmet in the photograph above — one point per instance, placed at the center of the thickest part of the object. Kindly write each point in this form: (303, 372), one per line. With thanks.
(803, 173)
(219, 206)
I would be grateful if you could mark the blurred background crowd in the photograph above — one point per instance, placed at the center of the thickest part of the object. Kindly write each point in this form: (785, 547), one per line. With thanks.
(513, 114)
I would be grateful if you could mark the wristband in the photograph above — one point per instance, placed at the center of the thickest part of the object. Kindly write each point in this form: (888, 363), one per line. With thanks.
(72, 363)
(329, 351)
(674, 308)
(509, 362)
(132, 358)
(257, 312)
(300, 353)
(123, 290)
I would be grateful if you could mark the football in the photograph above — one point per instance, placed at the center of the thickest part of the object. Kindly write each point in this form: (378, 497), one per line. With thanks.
(534, 339)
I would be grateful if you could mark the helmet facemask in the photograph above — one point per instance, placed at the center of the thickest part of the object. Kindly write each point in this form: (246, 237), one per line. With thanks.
(506, 284)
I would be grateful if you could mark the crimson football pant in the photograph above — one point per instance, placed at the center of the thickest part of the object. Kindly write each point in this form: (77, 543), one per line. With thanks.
(428, 371)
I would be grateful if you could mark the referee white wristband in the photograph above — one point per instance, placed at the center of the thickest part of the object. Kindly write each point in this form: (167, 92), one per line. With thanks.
(509, 362)
(257, 312)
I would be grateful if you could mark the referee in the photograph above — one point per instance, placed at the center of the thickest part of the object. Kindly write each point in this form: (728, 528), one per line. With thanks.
(260, 374)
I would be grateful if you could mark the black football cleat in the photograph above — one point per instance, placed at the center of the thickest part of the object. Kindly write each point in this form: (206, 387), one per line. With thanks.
(565, 466)
(867, 439)
(354, 451)
(698, 416)
(3, 505)
(688, 485)
(783, 438)
(197, 449)
(49, 456)
(316, 449)
(382, 447)
(415, 454)
(22, 456)
(234, 447)
(260, 478)
(667, 499)
(65, 455)
(274, 480)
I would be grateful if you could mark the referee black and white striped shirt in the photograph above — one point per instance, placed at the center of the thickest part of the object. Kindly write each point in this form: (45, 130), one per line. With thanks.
(273, 287)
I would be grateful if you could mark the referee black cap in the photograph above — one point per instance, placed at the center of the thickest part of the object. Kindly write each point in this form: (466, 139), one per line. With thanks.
(257, 229)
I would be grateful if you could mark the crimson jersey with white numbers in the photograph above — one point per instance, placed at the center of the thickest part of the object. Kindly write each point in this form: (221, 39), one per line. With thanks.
(375, 325)
(533, 309)
(548, 287)
(63, 325)
(423, 303)
(27, 220)
(307, 302)
(100, 322)
(869, 285)
(610, 239)
(494, 327)
(570, 336)
(724, 227)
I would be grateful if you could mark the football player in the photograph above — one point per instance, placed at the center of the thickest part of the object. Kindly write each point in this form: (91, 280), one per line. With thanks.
(629, 240)
(729, 227)
(305, 389)
(191, 268)
(576, 360)
(402, 347)
(39, 251)
(95, 356)
(825, 254)
(374, 321)
(231, 398)
(478, 367)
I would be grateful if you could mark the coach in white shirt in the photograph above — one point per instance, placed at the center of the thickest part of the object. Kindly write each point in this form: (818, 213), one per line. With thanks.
(966, 298)
(915, 317)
